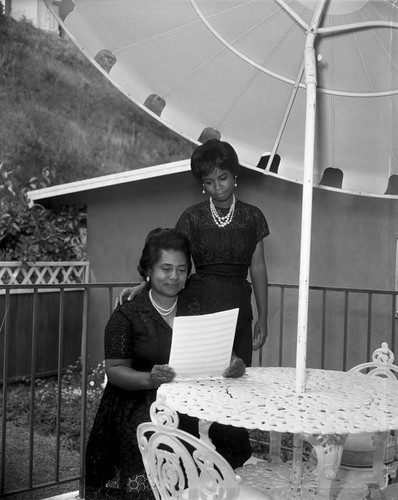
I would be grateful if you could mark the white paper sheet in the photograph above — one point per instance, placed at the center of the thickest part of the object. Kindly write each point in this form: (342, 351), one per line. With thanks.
(201, 346)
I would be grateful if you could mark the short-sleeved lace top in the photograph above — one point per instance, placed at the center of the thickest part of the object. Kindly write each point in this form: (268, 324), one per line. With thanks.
(232, 244)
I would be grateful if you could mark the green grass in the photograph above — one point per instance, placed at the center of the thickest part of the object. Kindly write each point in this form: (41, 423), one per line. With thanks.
(17, 464)
(58, 111)
(18, 438)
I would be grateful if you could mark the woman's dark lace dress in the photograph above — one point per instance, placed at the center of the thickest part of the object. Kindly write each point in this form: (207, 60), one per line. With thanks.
(222, 257)
(114, 468)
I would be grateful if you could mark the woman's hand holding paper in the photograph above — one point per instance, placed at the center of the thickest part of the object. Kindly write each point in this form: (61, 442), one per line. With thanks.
(162, 374)
(236, 369)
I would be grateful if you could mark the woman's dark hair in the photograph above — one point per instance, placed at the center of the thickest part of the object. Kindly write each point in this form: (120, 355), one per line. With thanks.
(212, 154)
(160, 239)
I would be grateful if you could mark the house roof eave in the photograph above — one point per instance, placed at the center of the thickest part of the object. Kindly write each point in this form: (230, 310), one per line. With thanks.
(108, 180)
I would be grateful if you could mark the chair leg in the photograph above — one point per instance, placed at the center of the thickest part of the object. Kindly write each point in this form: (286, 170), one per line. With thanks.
(379, 469)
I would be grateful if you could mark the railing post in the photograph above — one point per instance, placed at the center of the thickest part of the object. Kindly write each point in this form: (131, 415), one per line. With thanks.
(84, 391)
(59, 375)
(5, 328)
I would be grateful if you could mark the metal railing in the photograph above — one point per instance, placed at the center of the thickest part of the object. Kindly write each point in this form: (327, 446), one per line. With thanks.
(375, 308)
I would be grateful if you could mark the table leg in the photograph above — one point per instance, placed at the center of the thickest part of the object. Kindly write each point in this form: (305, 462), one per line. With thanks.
(297, 465)
(275, 439)
(328, 449)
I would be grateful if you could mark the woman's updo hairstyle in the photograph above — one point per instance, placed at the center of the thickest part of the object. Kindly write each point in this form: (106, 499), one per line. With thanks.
(160, 239)
(212, 154)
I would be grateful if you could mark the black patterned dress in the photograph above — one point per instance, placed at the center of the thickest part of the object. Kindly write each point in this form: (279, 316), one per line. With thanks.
(114, 468)
(222, 257)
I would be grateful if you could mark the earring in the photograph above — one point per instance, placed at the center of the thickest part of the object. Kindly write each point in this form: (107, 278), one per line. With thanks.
(148, 278)
(236, 183)
(203, 189)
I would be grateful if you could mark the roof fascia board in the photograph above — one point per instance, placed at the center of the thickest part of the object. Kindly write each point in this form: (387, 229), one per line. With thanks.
(109, 180)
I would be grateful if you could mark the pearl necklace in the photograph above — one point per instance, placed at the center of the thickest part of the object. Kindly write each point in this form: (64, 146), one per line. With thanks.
(161, 310)
(222, 220)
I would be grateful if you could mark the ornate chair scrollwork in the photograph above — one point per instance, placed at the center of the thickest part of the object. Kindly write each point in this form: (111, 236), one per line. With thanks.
(181, 466)
(374, 451)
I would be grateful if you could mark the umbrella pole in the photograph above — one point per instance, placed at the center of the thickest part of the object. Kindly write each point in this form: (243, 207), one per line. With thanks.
(305, 246)
(306, 213)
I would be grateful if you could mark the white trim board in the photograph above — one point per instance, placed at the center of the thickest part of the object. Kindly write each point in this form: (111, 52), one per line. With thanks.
(109, 180)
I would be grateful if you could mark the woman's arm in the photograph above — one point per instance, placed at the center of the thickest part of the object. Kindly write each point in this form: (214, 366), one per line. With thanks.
(259, 278)
(120, 374)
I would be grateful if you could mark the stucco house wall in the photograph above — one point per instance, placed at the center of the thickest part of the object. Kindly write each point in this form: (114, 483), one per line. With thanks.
(353, 245)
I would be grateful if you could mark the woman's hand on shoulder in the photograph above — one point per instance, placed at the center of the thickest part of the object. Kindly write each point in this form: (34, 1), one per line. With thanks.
(128, 294)
(236, 368)
(162, 374)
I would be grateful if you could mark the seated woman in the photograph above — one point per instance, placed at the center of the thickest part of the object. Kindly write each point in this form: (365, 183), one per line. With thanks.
(137, 346)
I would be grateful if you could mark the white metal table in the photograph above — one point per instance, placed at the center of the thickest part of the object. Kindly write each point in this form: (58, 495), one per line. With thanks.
(333, 405)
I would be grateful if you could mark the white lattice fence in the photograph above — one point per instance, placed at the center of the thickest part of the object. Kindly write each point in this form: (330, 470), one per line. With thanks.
(17, 273)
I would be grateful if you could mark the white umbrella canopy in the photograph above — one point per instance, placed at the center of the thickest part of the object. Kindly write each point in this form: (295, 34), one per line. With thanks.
(234, 67)
(313, 81)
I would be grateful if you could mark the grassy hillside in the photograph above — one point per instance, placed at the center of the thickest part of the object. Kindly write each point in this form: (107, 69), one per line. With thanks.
(58, 111)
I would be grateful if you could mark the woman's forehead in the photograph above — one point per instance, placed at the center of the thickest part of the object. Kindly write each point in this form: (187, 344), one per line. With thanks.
(174, 257)
(215, 173)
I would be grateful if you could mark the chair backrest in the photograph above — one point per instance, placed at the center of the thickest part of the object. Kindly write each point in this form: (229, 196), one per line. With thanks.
(382, 364)
(179, 465)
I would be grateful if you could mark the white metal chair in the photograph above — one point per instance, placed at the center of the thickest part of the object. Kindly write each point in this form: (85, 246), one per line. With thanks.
(181, 466)
(359, 449)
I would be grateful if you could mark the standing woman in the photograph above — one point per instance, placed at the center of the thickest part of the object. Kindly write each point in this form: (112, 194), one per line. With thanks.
(226, 237)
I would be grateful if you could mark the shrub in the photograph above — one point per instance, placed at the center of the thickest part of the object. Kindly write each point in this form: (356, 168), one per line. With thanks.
(35, 233)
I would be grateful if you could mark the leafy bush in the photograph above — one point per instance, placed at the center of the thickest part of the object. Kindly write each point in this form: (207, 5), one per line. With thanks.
(35, 233)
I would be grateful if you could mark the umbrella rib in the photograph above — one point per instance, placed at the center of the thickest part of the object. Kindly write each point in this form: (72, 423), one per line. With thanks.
(214, 58)
(175, 31)
(245, 88)
(382, 47)
(356, 26)
(288, 107)
(332, 115)
(376, 108)
(172, 32)
(237, 99)
(196, 71)
(286, 116)
(159, 36)
(237, 52)
(293, 14)
(242, 6)
(331, 30)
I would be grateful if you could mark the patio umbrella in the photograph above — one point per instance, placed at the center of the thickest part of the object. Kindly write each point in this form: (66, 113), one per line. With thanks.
(306, 90)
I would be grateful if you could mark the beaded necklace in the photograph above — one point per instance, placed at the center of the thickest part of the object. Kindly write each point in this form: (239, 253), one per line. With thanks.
(162, 310)
(222, 220)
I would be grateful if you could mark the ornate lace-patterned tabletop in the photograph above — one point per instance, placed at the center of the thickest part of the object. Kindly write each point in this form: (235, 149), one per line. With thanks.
(264, 398)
